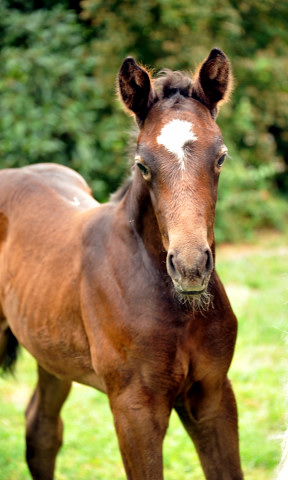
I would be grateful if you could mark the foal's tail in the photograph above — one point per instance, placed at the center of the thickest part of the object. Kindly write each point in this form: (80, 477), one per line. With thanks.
(8, 350)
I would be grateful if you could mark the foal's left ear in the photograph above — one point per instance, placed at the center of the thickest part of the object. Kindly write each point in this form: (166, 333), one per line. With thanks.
(136, 89)
(213, 81)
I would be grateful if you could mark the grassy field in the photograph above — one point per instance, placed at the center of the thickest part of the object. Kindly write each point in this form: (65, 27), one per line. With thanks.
(256, 277)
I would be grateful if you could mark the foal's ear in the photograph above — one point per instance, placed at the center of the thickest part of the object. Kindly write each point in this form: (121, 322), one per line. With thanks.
(213, 80)
(135, 89)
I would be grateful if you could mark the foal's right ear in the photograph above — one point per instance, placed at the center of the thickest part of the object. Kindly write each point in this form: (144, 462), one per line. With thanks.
(136, 89)
(213, 81)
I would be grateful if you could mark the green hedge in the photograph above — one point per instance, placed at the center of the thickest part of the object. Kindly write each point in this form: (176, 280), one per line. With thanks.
(58, 102)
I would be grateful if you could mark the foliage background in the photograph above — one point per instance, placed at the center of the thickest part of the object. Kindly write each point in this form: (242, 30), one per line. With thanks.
(58, 64)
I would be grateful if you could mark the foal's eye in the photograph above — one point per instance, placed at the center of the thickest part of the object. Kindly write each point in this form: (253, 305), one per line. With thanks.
(221, 160)
(144, 170)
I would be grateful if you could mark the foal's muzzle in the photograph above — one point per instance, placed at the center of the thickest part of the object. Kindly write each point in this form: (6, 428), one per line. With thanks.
(190, 277)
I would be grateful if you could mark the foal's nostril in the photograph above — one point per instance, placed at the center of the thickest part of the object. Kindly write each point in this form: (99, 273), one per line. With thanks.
(193, 272)
(209, 261)
(171, 262)
(205, 264)
(172, 267)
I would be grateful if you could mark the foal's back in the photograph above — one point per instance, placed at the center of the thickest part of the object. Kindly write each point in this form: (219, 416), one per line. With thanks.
(46, 179)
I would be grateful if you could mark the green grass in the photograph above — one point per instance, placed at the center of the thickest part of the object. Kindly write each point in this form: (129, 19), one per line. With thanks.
(256, 277)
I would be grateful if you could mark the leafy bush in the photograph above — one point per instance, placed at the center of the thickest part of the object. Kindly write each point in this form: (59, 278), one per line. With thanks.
(53, 108)
(58, 64)
(246, 203)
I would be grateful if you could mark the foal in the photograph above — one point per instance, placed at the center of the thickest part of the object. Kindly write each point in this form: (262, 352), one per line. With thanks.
(124, 296)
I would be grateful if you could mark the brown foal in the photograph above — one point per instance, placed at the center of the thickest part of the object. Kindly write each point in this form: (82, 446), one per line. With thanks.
(124, 296)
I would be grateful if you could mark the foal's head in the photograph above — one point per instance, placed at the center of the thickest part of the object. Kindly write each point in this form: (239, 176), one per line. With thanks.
(180, 153)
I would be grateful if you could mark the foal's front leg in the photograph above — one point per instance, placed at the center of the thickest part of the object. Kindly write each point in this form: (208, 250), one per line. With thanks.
(214, 432)
(44, 425)
(141, 420)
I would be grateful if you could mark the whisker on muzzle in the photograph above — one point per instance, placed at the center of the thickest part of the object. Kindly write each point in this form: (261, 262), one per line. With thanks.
(198, 303)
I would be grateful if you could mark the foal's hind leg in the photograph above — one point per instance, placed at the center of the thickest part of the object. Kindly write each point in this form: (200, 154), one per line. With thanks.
(43, 424)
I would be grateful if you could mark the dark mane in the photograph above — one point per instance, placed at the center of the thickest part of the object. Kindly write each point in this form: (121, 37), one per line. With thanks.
(117, 196)
(171, 83)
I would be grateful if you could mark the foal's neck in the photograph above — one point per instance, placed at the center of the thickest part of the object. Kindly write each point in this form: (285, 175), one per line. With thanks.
(143, 222)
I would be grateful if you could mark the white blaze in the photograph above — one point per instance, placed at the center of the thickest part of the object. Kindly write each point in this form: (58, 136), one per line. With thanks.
(174, 135)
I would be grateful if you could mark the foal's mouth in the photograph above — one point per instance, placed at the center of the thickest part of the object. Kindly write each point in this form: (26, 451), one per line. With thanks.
(191, 293)
(194, 289)
(196, 296)
(198, 300)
